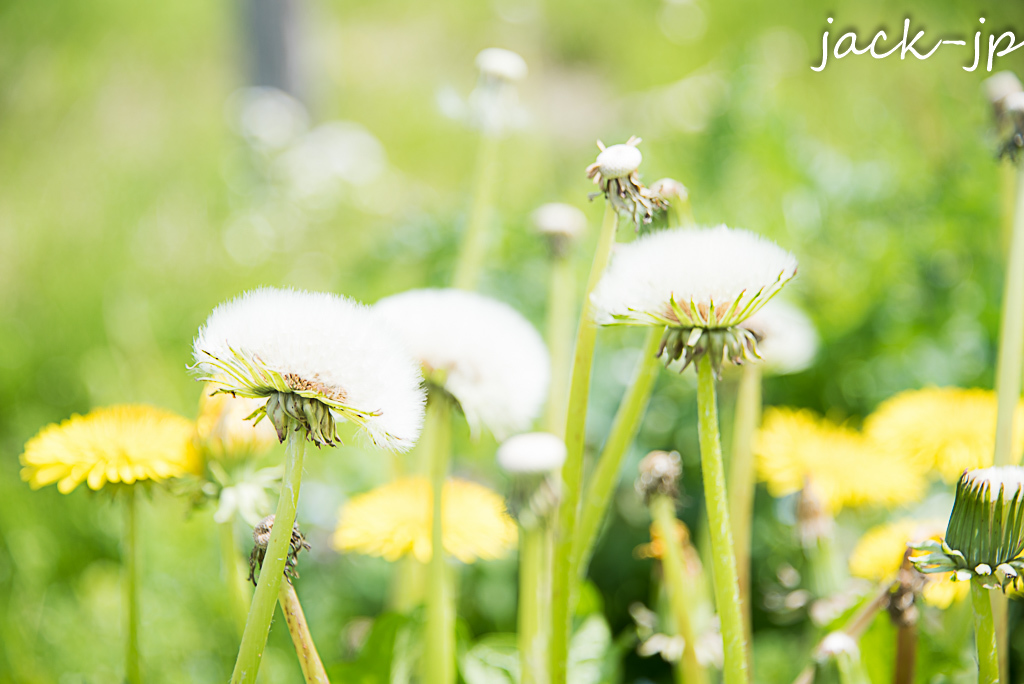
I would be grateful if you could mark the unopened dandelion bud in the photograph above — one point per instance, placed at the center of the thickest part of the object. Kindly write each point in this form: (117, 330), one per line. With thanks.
(532, 460)
(659, 474)
(616, 172)
(261, 538)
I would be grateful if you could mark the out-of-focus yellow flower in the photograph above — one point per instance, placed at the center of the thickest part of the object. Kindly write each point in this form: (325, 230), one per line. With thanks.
(395, 519)
(879, 555)
(796, 445)
(223, 430)
(114, 444)
(656, 547)
(946, 428)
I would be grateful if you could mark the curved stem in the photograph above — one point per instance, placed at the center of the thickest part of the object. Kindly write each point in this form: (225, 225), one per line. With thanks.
(984, 634)
(257, 627)
(723, 554)
(606, 474)
(234, 577)
(440, 635)
(560, 319)
(309, 660)
(132, 670)
(563, 581)
(741, 477)
(679, 586)
(474, 241)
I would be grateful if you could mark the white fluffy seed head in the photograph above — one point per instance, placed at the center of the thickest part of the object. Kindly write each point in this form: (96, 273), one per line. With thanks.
(619, 161)
(1008, 478)
(787, 339)
(1013, 103)
(696, 268)
(501, 64)
(329, 341)
(488, 356)
(532, 453)
(559, 219)
(837, 643)
(1001, 84)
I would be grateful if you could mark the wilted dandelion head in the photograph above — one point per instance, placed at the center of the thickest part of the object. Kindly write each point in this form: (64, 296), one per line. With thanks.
(562, 224)
(396, 520)
(879, 554)
(117, 444)
(315, 357)
(532, 453)
(223, 428)
(659, 474)
(794, 446)
(616, 172)
(694, 280)
(947, 429)
(480, 351)
(786, 338)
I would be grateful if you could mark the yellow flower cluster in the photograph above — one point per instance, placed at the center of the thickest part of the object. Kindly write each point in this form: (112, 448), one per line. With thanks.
(115, 444)
(794, 446)
(395, 519)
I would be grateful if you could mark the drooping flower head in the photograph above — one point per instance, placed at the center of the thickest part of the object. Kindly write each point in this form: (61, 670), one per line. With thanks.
(947, 429)
(482, 352)
(794, 446)
(616, 172)
(118, 444)
(396, 519)
(786, 338)
(316, 358)
(701, 283)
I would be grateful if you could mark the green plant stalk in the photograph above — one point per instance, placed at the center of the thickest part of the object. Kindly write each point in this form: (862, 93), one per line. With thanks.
(563, 582)
(984, 634)
(742, 480)
(257, 627)
(826, 574)
(723, 552)
(906, 654)
(627, 421)
(680, 587)
(680, 214)
(132, 670)
(474, 243)
(440, 627)
(561, 302)
(309, 660)
(408, 580)
(532, 631)
(234, 577)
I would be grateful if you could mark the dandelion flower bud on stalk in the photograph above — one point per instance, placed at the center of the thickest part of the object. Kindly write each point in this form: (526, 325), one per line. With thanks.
(495, 101)
(616, 172)
(659, 474)
(679, 213)
(261, 537)
(532, 460)
(1003, 90)
(562, 224)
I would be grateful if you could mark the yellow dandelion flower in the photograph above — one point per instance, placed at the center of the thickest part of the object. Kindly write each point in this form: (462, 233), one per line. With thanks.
(395, 520)
(656, 547)
(945, 428)
(879, 555)
(223, 430)
(114, 444)
(796, 445)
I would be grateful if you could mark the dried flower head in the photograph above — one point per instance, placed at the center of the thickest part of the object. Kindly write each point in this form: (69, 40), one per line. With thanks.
(947, 429)
(786, 338)
(670, 190)
(261, 538)
(480, 351)
(118, 444)
(396, 519)
(659, 474)
(700, 283)
(616, 172)
(223, 430)
(315, 358)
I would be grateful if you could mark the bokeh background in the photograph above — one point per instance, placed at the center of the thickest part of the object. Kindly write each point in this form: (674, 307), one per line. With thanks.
(132, 201)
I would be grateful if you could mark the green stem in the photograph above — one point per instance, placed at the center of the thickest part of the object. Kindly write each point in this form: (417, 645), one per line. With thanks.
(560, 319)
(257, 627)
(440, 634)
(723, 551)
(563, 581)
(1011, 338)
(532, 631)
(680, 587)
(984, 634)
(474, 243)
(742, 480)
(309, 660)
(132, 671)
(680, 213)
(606, 474)
(234, 577)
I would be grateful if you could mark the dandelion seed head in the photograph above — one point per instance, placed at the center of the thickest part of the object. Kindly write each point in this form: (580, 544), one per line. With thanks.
(836, 644)
(482, 351)
(501, 64)
(320, 345)
(1001, 84)
(559, 219)
(786, 338)
(532, 452)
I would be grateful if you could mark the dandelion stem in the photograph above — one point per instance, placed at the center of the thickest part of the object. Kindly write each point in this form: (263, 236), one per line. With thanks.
(741, 478)
(257, 627)
(237, 584)
(133, 673)
(440, 634)
(563, 581)
(474, 241)
(680, 586)
(680, 213)
(984, 634)
(561, 302)
(1010, 362)
(723, 552)
(532, 630)
(606, 474)
(309, 660)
